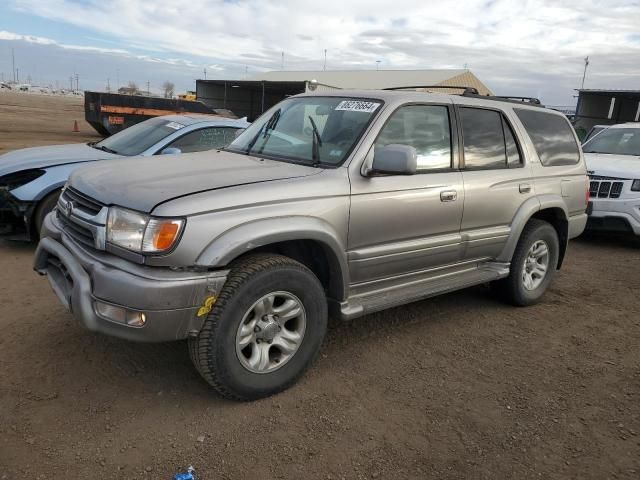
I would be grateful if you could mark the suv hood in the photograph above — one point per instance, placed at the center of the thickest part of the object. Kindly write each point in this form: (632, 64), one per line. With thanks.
(144, 182)
(607, 165)
(43, 157)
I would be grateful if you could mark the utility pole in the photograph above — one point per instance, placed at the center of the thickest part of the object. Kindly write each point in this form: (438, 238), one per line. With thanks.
(17, 75)
(584, 74)
(325, 59)
(77, 83)
(205, 73)
(71, 83)
(282, 63)
(148, 89)
(378, 64)
(108, 86)
(13, 65)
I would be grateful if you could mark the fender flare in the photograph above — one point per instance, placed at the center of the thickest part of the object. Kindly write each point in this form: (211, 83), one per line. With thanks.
(246, 237)
(527, 210)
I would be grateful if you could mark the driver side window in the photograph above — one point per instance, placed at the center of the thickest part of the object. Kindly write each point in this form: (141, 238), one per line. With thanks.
(425, 128)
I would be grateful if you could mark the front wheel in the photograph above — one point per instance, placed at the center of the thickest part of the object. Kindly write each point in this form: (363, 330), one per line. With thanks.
(46, 205)
(533, 265)
(265, 329)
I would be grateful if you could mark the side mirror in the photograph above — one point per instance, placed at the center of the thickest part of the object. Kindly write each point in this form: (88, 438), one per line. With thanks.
(171, 151)
(395, 159)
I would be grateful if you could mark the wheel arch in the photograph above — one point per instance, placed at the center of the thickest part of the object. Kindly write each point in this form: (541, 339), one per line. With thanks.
(550, 208)
(311, 241)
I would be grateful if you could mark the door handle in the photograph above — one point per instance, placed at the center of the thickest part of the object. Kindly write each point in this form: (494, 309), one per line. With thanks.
(525, 188)
(448, 196)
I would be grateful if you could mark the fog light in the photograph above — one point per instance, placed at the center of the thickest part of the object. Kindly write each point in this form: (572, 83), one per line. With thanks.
(120, 314)
(111, 312)
(136, 319)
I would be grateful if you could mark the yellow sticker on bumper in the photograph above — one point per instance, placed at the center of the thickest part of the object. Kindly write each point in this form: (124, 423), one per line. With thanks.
(208, 305)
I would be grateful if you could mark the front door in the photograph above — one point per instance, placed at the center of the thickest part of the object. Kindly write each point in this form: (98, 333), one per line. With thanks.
(403, 224)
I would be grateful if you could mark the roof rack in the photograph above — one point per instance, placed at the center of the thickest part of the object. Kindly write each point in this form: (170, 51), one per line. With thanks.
(473, 92)
(467, 90)
(535, 101)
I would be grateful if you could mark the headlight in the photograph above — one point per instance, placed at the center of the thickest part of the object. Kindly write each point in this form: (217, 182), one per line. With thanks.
(635, 186)
(141, 233)
(18, 179)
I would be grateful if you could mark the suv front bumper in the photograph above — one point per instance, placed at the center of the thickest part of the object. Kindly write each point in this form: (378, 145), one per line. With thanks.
(173, 304)
(621, 214)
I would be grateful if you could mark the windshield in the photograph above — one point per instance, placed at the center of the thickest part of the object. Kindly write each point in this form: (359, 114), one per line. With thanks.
(316, 130)
(616, 141)
(139, 137)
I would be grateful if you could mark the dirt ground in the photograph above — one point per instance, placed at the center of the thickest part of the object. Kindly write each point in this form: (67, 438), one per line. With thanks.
(458, 386)
(31, 120)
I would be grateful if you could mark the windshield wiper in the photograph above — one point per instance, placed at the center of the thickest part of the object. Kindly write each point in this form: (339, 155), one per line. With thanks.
(317, 142)
(268, 125)
(104, 149)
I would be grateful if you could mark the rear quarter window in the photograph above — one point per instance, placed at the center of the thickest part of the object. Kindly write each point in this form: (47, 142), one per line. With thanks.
(552, 137)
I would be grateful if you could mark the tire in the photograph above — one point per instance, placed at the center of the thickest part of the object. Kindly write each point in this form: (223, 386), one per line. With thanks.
(517, 290)
(217, 351)
(46, 205)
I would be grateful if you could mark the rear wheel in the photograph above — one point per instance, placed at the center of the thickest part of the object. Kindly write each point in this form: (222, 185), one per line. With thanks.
(533, 265)
(46, 205)
(265, 329)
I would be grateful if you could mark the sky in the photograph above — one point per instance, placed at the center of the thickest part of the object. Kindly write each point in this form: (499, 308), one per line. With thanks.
(525, 47)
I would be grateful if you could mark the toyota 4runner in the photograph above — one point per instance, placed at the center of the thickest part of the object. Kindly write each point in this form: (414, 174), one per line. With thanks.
(346, 202)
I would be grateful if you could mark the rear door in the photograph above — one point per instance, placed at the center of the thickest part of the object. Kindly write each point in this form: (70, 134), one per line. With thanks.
(561, 171)
(401, 224)
(496, 180)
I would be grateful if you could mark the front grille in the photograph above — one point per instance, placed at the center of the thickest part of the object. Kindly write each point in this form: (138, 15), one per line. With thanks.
(84, 203)
(82, 218)
(605, 187)
(77, 232)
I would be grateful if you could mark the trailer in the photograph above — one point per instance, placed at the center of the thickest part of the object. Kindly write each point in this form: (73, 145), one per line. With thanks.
(109, 113)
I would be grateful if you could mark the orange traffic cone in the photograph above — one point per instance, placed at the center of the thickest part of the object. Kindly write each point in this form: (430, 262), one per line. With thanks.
(75, 126)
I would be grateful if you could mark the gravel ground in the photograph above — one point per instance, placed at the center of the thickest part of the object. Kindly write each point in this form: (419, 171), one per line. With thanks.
(460, 386)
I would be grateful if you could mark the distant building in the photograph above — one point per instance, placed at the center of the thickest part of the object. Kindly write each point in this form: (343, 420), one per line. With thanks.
(378, 79)
(249, 98)
(606, 107)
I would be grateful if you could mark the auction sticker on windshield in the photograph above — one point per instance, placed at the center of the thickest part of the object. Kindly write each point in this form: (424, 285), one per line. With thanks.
(357, 106)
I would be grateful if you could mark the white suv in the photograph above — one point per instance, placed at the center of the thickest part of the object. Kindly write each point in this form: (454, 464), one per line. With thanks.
(613, 164)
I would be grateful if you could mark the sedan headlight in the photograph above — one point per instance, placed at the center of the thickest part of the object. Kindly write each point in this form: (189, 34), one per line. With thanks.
(141, 233)
(635, 186)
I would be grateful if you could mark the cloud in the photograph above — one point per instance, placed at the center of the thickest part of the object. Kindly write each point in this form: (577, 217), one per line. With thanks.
(511, 46)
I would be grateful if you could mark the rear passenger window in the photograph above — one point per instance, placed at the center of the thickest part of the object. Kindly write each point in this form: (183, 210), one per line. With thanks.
(424, 127)
(488, 140)
(552, 137)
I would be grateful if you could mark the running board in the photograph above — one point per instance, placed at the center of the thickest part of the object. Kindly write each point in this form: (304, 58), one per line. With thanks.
(401, 294)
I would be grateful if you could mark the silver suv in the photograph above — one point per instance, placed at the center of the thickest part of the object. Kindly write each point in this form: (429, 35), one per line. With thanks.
(346, 202)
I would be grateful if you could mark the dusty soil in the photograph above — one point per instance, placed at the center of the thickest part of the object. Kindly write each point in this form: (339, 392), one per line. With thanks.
(460, 386)
(31, 120)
